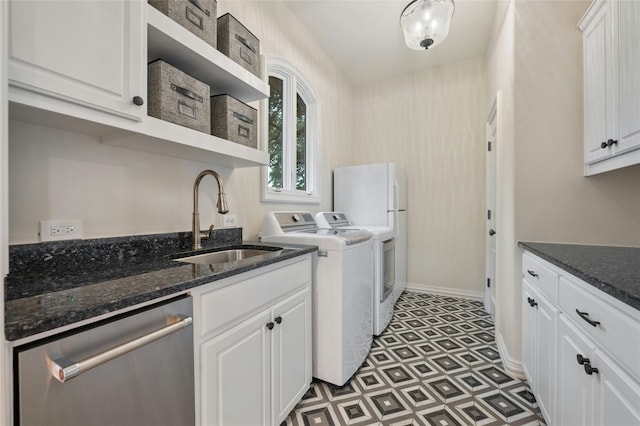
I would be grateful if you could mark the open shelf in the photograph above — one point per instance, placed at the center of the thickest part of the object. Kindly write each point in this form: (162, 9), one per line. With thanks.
(161, 137)
(168, 40)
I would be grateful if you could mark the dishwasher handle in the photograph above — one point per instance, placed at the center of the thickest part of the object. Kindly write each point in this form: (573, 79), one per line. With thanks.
(64, 369)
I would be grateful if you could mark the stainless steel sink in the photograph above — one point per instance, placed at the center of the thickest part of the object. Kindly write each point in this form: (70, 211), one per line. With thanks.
(229, 255)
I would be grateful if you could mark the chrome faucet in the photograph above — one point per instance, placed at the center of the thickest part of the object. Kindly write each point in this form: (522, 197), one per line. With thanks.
(221, 205)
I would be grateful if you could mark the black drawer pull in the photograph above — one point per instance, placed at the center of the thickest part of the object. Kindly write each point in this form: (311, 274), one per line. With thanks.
(245, 42)
(278, 320)
(611, 142)
(532, 273)
(532, 302)
(137, 100)
(604, 145)
(585, 316)
(582, 360)
(186, 92)
(270, 325)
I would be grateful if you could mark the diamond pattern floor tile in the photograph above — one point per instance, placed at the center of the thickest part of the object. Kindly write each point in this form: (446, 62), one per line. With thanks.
(435, 364)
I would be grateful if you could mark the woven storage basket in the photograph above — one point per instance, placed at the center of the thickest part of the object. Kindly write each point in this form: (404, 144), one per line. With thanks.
(234, 120)
(198, 16)
(177, 97)
(237, 42)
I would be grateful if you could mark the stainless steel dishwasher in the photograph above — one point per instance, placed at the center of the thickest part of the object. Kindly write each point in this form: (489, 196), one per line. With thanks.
(135, 369)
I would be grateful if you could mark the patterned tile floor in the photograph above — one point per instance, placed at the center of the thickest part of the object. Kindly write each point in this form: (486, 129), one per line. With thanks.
(435, 364)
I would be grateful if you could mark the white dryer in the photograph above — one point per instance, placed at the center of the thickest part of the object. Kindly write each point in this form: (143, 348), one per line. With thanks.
(383, 264)
(342, 291)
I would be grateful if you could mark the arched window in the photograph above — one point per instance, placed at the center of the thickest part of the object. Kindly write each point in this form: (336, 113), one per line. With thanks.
(291, 137)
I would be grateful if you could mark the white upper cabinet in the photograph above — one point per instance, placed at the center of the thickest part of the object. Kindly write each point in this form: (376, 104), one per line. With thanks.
(82, 66)
(611, 54)
(86, 53)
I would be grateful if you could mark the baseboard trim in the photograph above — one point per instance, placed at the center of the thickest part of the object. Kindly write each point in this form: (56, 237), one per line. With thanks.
(510, 365)
(444, 291)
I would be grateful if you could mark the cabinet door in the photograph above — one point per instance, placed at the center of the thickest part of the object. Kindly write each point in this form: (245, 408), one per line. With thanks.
(617, 395)
(529, 348)
(86, 52)
(235, 375)
(546, 344)
(598, 97)
(575, 387)
(628, 13)
(291, 353)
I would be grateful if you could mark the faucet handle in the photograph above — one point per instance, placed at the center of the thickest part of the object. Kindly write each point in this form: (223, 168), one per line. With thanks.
(207, 234)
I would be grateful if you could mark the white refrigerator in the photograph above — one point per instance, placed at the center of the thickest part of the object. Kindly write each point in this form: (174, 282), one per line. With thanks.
(375, 194)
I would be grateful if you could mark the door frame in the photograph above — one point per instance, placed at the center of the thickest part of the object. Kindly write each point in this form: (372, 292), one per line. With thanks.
(491, 134)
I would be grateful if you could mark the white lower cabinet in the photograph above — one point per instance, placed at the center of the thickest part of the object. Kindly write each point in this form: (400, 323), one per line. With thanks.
(255, 366)
(580, 350)
(539, 331)
(593, 390)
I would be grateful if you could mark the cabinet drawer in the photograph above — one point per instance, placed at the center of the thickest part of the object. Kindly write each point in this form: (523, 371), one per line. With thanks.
(542, 277)
(222, 308)
(612, 329)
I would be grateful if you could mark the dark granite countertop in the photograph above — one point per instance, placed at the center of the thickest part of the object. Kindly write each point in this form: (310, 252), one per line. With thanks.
(614, 270)
(51, 285)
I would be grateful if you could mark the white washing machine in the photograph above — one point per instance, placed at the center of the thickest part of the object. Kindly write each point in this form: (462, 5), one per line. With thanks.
(383, 265)
(342, 291)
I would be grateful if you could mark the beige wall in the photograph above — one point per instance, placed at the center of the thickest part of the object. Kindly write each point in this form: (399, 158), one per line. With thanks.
(64, 175)
(432, 124)
(561, 204)
(542, 193)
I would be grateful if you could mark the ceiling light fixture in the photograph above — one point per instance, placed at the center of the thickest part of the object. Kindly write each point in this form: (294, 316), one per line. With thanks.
(425, 23)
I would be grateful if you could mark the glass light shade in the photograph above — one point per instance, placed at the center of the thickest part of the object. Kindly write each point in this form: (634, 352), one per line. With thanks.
(425, 23)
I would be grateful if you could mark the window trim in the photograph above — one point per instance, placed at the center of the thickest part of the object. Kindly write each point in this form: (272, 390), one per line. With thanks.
(293, 82)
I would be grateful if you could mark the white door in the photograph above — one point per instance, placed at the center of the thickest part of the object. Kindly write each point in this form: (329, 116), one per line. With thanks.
(291, 353)
(236, 375)
(492, 144)
(91, 53)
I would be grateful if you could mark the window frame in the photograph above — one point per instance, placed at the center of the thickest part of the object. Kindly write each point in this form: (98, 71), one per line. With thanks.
(294, 84)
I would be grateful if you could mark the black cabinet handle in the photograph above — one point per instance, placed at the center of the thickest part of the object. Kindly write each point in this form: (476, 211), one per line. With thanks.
(532, 273)
(492, 232)
(604, 145)
(270, 325)
(278, 320)
(582, 360)
(585, 316)
(532, 302)
(137, 100)
(611, 142)
(589, 369)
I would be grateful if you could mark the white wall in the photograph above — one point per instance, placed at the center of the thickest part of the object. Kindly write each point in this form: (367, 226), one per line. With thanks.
(64, 175)
(432, 124)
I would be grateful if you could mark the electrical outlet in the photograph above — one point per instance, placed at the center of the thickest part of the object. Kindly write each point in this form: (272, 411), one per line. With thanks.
(54, 230)
(229, 220)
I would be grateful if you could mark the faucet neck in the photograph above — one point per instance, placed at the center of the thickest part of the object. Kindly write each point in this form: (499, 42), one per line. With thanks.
(221, 205)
